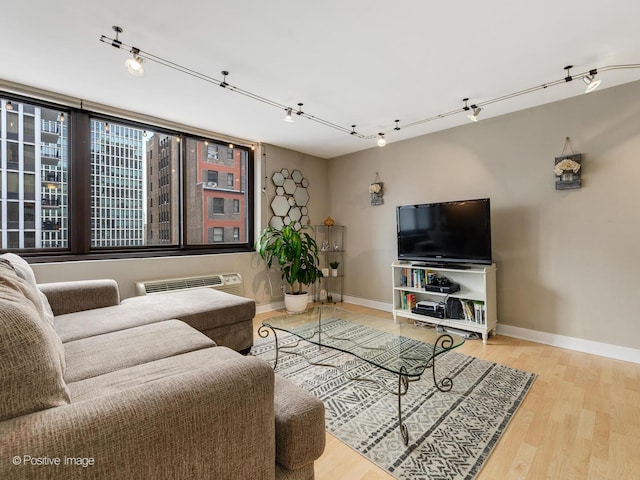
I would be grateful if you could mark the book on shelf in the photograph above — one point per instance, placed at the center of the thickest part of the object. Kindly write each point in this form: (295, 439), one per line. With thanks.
(413, 278)
(474, 311)
(408, 300)
(468, 310)
(411, 301)
(479, 312)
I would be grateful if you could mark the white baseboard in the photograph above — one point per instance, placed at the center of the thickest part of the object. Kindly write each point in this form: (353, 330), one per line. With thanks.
(269, 307)
(608, 350)
(571, 343)
(364, 302)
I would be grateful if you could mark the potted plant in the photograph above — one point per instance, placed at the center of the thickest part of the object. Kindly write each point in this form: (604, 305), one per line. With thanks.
(334, 268)
(296, 253)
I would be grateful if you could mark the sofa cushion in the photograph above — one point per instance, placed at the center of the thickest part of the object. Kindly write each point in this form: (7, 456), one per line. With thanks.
(93, 356)
(127, 378)
(31, 354)
(24, 271)
(202, 308)
(195, 307)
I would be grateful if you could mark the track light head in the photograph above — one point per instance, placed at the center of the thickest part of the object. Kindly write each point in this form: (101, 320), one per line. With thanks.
(381, 140)
(591, 82)
(473, 116)
(288, 117)
(134, 64)
(9, 106)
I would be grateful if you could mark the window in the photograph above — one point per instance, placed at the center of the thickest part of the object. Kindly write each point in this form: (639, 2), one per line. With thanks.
(12, 125)
(13, 215)
(29, 239)
(13, 159)
(30, 216)
(28, 128)
(212, 152)
(121, 157)
(13, 240)
(13, 185)
(216, 235)
(29, 158)
(35, 178)
(209, 208)
(212, 178)
(218, 206)
(29, 186)
(143, 186)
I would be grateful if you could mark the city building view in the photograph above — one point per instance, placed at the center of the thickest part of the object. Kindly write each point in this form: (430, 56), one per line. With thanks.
(136, 182)
(217, 186)
(34, 170)
(117, 185)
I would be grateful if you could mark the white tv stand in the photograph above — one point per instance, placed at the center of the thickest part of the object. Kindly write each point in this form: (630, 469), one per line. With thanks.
(477, 285)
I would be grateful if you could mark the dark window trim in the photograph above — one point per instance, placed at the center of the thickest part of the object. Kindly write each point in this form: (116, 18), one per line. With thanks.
(79, 182)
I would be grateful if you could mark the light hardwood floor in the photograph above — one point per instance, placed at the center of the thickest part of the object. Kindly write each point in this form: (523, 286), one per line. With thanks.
(580, 420)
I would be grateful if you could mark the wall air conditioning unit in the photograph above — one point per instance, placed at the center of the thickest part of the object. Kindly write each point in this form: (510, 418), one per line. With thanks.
(225, 282)
(212, 184)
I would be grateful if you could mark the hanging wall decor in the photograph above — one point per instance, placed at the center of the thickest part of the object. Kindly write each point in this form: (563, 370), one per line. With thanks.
(375, 189)
(289, 206)
(568, 168)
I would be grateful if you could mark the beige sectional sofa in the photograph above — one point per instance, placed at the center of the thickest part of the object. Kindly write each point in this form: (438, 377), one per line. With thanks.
(92, 387)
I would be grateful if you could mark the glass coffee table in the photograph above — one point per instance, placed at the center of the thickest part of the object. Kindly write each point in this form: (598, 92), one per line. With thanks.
(404, 350)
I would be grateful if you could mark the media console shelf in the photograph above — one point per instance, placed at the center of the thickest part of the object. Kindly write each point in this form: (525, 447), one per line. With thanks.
(477, 295)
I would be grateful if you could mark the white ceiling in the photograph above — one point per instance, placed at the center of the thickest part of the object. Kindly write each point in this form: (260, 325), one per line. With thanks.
(363, 62)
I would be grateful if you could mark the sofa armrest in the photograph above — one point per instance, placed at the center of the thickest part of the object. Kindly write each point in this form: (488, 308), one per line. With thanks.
(300, 425)
(205, 423)
(76, 296)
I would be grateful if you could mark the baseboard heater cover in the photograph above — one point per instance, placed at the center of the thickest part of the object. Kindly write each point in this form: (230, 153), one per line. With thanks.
(226, 282)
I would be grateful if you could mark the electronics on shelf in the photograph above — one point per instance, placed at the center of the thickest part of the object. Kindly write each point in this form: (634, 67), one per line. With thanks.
(460, 299)
(438, 313)
(443, 287)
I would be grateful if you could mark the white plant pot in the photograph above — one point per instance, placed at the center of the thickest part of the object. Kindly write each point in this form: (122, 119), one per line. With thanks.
(334, 272)
(296, 303)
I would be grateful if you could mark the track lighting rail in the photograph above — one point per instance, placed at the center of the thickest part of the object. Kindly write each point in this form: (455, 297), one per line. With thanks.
(115, 42)
(587, 76)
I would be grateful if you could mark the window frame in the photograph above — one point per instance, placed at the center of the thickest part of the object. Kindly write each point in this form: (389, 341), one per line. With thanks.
(79, 191)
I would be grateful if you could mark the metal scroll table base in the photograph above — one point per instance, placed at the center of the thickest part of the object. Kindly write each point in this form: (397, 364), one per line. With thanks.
(444, 341)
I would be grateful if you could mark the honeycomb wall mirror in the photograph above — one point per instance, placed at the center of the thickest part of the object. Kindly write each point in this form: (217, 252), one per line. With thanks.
(289, 206)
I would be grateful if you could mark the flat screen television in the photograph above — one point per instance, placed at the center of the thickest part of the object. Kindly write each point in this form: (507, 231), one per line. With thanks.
(446, 233)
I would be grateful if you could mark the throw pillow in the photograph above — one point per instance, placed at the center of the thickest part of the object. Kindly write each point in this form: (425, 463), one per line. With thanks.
(24, 271)
(31, 353)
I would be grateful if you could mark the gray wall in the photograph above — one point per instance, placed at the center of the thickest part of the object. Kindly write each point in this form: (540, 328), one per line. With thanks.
(568, 261)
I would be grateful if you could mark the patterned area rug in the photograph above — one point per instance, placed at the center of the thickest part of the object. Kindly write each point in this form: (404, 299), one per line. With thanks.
(450, 434)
